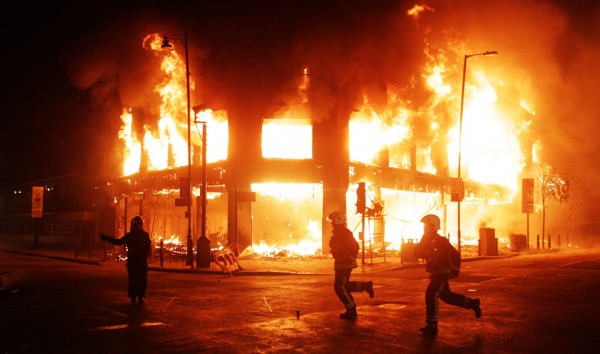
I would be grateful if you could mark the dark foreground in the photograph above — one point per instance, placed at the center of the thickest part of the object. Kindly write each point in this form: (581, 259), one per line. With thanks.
(532, 303)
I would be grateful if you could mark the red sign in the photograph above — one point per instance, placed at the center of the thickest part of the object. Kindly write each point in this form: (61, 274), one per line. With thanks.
(37, 202)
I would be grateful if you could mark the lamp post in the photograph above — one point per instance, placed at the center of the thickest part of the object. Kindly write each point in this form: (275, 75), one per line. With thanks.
(166, 46)
(203, 254)
(462, 102)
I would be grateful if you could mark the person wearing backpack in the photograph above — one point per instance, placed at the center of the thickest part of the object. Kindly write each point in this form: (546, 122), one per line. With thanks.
(442, 261)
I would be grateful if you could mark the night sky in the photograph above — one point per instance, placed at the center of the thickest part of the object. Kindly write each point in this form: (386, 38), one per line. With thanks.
(67, 69)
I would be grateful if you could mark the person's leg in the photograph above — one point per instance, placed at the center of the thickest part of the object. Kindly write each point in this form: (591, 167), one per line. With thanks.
(360, 286)
(131, 284)
(142, 284)
(432, 294)
(340, 287)
(459, 300)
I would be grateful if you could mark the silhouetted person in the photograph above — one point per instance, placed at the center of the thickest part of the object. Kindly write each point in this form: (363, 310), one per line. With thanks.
(344, 250)
(443, 262)
(138, 250)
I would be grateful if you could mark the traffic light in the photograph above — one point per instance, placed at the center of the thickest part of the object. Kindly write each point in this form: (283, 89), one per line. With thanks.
(361, 196)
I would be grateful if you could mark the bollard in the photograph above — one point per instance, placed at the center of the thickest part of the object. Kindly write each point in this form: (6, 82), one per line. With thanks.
(549, 241)
(162, 248)
(203, 256)
(543, 241)
(538, 241)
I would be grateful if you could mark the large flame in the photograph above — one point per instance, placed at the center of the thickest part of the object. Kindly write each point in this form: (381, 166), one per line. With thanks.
(287, 138)
(287, 217)
(165, 144)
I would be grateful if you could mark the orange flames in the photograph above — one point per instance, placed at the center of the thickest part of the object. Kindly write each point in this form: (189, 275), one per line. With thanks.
(165, 144)
(491, 154)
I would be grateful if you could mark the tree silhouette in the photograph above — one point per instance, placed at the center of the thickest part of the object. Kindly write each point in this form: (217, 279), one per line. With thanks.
(553, 187)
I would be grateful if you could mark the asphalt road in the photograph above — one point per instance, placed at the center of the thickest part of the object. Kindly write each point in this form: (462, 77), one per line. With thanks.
(543, 303)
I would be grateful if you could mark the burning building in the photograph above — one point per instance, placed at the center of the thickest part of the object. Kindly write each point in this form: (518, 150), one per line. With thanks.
(272, 175)
(303, 101)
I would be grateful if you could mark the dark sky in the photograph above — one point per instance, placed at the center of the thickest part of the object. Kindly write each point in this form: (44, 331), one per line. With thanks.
(68, 68)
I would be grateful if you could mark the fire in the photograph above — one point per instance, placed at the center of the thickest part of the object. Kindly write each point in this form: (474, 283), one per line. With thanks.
(371, 132)
(133, 152)
(295, 229)
(416, 10)
(491, 152)
(287, 217)
(164, 145)
(287, 138)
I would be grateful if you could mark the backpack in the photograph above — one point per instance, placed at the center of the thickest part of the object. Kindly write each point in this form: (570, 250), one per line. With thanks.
(454, 258)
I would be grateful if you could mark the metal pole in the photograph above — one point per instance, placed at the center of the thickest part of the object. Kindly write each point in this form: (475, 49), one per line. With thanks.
(527, 230)
(204, 251)
(204, 181)
(190, 247)
(362, 222)
(462, 102)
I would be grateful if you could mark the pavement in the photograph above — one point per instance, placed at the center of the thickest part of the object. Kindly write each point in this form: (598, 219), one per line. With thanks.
(248, 263)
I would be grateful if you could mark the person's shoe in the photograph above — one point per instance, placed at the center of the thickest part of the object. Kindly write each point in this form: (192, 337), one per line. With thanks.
(133, 299)
(429, 330)
(475, 305)
(369, 289)
(350, 314)
(140, 300)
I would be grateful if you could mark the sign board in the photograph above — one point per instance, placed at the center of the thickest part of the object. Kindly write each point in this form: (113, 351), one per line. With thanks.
(527, 195)
(457, 190)
(227, 258)
(182, 202)
(37, 202)
(184, 187)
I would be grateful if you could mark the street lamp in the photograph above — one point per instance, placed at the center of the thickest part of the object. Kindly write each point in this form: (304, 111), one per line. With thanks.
(203, 254)
(462, 102)
(167, 47)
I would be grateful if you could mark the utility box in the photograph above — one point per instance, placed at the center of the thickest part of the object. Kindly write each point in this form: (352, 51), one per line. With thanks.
(203, 256)
(488, 243)
(518, 243)
(407, 252)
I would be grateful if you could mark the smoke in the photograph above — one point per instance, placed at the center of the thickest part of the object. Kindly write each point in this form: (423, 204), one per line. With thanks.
(548, 59)
(111, 59)
(252, 54)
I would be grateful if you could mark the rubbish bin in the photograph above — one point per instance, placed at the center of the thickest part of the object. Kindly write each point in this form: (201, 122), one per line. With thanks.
(518, 243)
(407, 252)
(488, 243)
(203, 256)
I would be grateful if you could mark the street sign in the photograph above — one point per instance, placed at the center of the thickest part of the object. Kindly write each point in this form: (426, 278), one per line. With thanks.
(457, 190)
(37, 202)
(527, 195)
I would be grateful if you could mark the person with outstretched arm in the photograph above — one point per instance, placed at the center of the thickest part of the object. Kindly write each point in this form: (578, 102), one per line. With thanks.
(138, 249)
